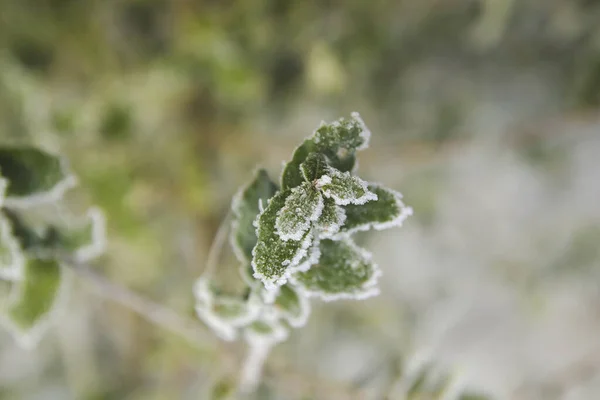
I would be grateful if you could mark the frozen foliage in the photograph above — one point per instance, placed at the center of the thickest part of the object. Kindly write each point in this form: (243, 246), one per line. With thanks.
(272, 256)
(386, 211)
(332, 219)
(337, 142)
(345, 188)
(38, 237)
(224, 314)
(344, 270)
(303, 206)
(297, 242)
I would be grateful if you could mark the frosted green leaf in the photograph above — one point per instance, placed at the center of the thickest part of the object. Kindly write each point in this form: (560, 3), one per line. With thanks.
(385, 212)
(348, 134)
(245, 207)
(314, 167)
(292, 306)
(344, 188)
(12, 259)
(39, 293)
(344, 271)
(338, 141)
(291, 175)
(303, 206)
(33, 176)
(273, 258)
(331, 220)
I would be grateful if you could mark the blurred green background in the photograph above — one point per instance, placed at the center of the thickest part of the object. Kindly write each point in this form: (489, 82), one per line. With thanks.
(484, 114)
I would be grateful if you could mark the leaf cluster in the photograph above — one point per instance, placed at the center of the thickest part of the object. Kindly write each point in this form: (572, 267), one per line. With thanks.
(38, 235)
(293, 238)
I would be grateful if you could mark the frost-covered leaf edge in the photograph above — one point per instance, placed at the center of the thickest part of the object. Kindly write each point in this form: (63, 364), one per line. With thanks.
(398, 221)
(225, 328)
(368, 288)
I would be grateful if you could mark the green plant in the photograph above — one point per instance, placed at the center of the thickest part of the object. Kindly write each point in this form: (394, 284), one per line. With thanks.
(39, 235)
(293, 240)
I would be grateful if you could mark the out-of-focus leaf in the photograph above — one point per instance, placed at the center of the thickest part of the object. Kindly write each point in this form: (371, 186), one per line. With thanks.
(38, 293)
(294, 307)
(33, 175)
(224, 314)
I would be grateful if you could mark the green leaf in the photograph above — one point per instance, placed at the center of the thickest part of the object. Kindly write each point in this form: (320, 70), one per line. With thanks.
(344, 188)
(12, 260)
(39, 292)
(33, 176)
(273, 258)
(314, 167)
(385, 212)
(347, 134)
(344, 271)
(292, 306)
(245, 207)
(338, 141)
(331, 220)
(303, 206)
(292, 176)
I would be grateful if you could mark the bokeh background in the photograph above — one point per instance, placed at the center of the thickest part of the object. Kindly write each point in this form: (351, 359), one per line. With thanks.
(484, 115)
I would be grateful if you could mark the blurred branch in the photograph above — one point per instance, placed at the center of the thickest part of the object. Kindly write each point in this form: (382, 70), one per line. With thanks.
(158, 314)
